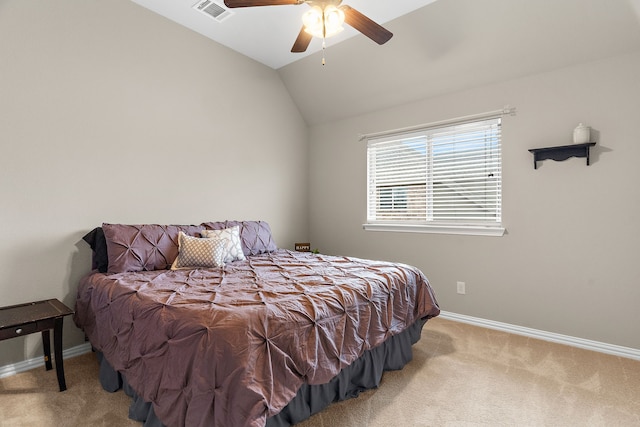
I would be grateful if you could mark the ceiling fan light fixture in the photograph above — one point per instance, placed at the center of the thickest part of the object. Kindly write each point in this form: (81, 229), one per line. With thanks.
(323, 22)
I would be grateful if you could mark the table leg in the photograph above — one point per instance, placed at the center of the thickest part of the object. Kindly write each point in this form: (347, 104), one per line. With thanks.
(57, 348)
(46, 344)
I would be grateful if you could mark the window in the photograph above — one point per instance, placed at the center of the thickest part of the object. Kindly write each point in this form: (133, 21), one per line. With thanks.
(393, 199)
(437, 178)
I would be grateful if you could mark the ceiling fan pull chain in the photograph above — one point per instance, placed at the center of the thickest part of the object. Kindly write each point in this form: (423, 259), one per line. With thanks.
(324, 46)
(324, 34)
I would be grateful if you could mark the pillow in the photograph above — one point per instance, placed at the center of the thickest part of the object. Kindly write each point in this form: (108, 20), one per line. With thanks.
(231, 236)
(100, 259)
(196, 252)
(255, 236)
(143, 247)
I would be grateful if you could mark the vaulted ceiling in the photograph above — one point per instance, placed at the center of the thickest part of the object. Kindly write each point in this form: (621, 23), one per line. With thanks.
(438, 47)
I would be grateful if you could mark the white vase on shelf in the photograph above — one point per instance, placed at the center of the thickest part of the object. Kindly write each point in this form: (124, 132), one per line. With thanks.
(581, 134)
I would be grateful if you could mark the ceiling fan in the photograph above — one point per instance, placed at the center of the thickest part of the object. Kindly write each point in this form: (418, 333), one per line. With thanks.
(324, 19)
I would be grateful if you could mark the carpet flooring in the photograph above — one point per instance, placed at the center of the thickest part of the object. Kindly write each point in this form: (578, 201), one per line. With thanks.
(460, 375)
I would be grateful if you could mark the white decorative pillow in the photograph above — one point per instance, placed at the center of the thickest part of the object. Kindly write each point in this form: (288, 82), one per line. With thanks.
(195, 252)
(233, 248)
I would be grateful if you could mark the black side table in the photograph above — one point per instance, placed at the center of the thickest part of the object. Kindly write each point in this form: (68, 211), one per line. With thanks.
(39, 316)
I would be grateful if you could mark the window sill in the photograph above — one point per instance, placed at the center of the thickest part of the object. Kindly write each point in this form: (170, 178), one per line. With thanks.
(468, 230)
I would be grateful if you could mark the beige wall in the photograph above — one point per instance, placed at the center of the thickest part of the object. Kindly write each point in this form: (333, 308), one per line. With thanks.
(569, 261)
(109, 112)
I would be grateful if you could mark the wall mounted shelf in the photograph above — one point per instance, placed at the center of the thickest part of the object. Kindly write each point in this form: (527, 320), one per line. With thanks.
(561, 152)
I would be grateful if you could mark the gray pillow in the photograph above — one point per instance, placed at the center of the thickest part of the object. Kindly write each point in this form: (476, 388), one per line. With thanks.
(255, 236)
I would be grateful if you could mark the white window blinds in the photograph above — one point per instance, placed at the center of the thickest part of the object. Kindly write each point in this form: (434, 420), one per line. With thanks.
(446, 175)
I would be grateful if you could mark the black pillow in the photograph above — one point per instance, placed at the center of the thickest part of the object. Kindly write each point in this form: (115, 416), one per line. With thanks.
(95, 238)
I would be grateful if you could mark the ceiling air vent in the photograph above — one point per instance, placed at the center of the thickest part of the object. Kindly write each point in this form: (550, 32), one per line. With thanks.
(212, 10)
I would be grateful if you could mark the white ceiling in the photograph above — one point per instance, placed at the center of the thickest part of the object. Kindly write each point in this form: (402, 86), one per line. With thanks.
(267, 33)
(438, 47)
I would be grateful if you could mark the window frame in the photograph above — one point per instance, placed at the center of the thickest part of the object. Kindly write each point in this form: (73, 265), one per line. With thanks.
(478, 228)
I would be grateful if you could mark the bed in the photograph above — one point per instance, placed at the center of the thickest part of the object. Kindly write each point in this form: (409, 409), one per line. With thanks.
(230, 330)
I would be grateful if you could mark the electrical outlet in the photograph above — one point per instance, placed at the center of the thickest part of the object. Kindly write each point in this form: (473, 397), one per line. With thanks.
(462, 289)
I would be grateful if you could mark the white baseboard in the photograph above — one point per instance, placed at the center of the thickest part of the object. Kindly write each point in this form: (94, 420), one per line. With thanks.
(616, 350)
(37, 362)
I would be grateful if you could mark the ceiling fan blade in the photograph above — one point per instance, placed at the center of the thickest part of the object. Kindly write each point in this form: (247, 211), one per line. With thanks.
(302, 42)
(251, 3)
(366, 26)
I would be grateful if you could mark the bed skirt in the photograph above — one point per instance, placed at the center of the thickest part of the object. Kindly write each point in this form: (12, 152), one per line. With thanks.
(363, 374)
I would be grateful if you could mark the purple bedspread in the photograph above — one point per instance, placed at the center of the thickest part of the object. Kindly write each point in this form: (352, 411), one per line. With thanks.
(231, 346)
